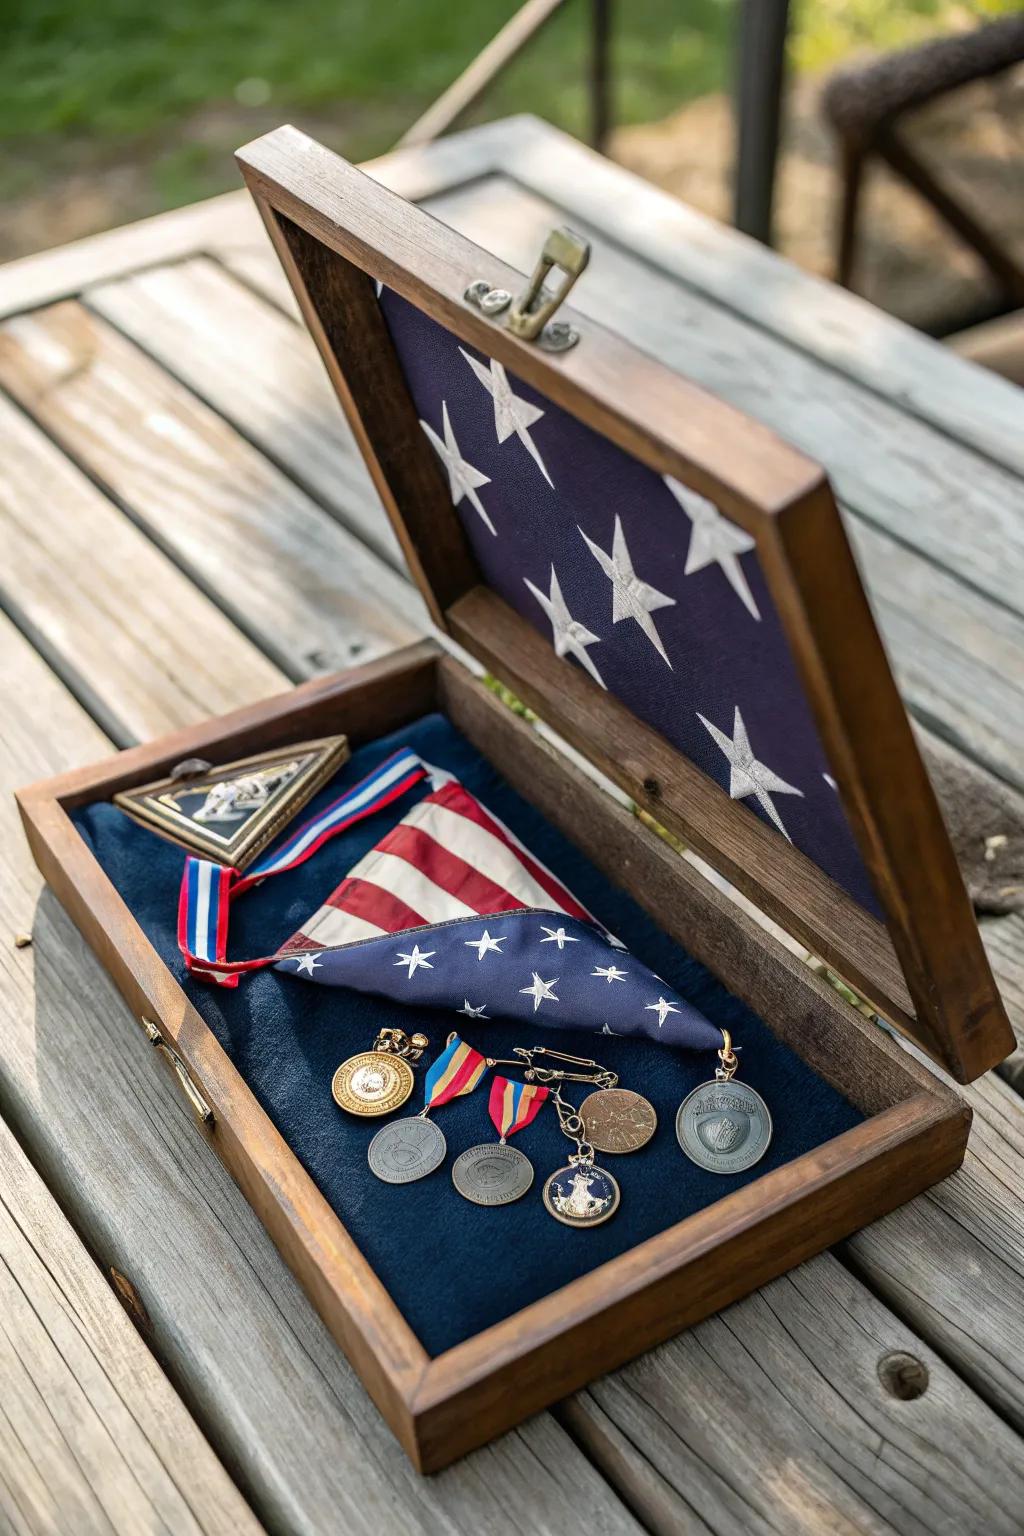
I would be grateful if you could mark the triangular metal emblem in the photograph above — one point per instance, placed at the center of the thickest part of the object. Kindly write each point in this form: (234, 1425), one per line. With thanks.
(230, 813)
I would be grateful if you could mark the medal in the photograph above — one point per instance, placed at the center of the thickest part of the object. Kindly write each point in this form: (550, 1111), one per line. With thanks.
(411, 1148)
(230, 814)
(495, 1173)
(581, 1194)
(618, 1120)
(724, 1126)
(379, 1080)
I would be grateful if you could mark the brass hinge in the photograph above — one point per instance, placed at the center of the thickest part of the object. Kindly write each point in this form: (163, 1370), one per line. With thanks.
(530, 316)
(200, 1108)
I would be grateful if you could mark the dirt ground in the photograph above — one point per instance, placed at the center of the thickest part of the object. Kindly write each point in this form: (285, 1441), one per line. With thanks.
(910, 264)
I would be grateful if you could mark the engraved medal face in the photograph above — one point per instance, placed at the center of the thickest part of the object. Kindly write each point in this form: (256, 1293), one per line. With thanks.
(617, 1120)
(581, 1196)
(724, 1127)
(406, 1150)
(492, 1174)
(372, 1083)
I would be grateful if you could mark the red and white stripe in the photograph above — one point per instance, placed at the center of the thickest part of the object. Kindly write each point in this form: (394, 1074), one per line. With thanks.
(447, 858)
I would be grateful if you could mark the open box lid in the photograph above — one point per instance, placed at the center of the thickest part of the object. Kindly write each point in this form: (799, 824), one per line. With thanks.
(663, 580)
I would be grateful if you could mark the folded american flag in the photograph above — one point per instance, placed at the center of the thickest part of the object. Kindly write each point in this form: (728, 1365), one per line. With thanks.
(449, 910)
(535, 967)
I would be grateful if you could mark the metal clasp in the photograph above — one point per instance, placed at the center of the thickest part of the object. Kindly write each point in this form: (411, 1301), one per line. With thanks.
(200, 1108)
(530, 315)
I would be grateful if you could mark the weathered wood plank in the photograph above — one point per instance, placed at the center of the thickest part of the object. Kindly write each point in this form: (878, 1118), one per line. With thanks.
(118, 1146)
(958, 509)
(1004, 941)
(849, 334)
(317, 598)
(95, 592)
(238, 353)
(216, 224)
(795, 1423)
(952, 1262)
(93, 1438)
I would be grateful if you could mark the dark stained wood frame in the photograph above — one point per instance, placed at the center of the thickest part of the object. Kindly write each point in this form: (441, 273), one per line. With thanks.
(440, 1408)
(926, 969)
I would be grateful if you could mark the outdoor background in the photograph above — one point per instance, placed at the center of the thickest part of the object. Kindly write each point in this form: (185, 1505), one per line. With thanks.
(114, 109)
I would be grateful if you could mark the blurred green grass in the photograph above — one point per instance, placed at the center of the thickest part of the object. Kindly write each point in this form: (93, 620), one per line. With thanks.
(92, 82)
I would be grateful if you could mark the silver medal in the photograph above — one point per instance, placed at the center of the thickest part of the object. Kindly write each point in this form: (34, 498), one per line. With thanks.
(406, 1150)
(724, 1126)
(581, 1194)
(492, 1174)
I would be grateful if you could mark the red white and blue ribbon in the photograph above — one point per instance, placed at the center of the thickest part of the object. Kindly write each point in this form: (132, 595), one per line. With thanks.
(513, 1105)
(456, 1071)
(449, 857)
(207, 890)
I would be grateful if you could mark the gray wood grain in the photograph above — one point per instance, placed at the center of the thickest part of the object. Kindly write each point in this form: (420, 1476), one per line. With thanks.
(95, 592)
(239, 354)
(93, 1438)
(318, 599)
(117, 1145)
(793, 1427)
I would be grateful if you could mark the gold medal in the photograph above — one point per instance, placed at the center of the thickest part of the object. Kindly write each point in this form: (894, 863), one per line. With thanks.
(378, 1081)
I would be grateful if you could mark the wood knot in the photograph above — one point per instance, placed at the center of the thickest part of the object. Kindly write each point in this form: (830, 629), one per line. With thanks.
(903, 1376)
(652, 787)
(130, 1299)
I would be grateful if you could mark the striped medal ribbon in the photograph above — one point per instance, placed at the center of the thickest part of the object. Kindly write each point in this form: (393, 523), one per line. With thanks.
(495, 1173)
(409, 1149)
(513, 1105)
(207, 890)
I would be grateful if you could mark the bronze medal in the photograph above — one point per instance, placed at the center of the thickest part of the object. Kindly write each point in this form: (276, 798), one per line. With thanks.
(617, 1120)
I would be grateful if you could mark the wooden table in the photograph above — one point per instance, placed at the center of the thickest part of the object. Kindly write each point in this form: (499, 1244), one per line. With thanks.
(184, 527)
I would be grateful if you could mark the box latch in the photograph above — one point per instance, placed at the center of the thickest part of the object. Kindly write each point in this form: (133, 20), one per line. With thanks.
(530, 315)
(198, 1105)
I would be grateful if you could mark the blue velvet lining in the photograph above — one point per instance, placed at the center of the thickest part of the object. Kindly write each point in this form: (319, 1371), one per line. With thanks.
(451, 1267)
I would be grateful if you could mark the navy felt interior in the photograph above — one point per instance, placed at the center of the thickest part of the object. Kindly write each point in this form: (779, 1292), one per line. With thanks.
(451, 1267)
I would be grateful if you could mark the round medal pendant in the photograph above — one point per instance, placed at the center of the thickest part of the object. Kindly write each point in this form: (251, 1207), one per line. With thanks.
(724, 1126)
(581, 1195)
(492, 1174)
(372, 1083)
(406, 1150)
(617, 1120)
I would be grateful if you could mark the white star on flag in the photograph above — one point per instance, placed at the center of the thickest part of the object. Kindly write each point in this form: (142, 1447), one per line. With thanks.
(570, 637)
(606, 1031)
(747, 776)
(416, 959)
(484, 943)
(463, 479)
(308, 964)
(662, 1009)
(558, 936)
(631, 597)
(511, 413)
(714, 541)
(541, 991)
(471, 1012)
(610, 973)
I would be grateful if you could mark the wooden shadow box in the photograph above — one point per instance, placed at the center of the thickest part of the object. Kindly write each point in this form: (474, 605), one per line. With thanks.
(911, 947)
